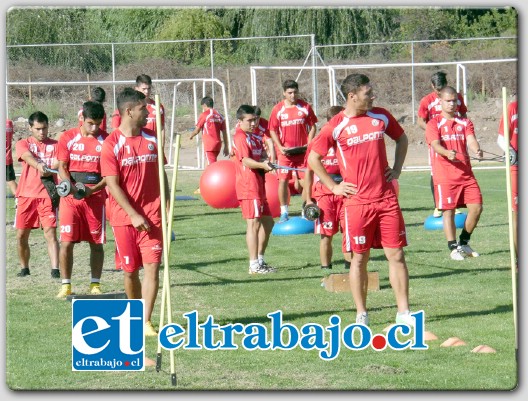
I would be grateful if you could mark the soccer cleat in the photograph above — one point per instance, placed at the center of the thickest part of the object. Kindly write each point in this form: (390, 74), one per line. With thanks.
(150, 331)
(269, 268)
(457, 255)
(437, 213)
(467, 251)
(64, 291)
(23, 272)
(259, 270)
(362, 318)
(55, 273)
(95, 289)
(405, 318)
(283, 218)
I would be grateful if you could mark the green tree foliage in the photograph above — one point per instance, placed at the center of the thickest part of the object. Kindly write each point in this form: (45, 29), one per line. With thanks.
(193, 24)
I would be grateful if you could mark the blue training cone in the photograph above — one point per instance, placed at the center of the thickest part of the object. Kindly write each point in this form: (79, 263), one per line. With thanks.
(437, 223)
(294, 226)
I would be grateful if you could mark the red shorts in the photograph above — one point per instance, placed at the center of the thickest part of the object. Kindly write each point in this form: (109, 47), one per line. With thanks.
(514, 188)
(212, 156)
(449, 196)
(136, 248)
(34, 213)
(375, 225)
(83, 220)
(331, 210)
(296, 161)
(254, 208)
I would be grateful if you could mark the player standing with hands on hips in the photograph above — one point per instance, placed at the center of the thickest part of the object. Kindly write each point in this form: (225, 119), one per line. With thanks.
(455, 185)
(372, 214)
(129, 162)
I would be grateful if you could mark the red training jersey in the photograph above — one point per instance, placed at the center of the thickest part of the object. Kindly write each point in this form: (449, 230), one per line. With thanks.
(212, 123)
(292, 124)
(82, 153)
(250, 183)
(262, 129)
(361, 154)
(30, 185)
(430, 106)
(452, 135)
(9, 142)
(330, 163)
(135, 161)
(151, 119)
(512, 124)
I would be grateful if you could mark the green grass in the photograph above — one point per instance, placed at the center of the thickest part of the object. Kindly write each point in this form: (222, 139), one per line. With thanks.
(471, 300)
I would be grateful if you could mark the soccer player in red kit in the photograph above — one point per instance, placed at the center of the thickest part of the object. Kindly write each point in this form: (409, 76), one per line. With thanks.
(129, 162)
(251, 166)
(514, 149)
(212, 123)
(455, 185)
(82, 218)
(291, 125)
(35, 208)
(430, 107)
(330, 205)
(10, 171)
(262, 129)
(371, 209)
(144, 85)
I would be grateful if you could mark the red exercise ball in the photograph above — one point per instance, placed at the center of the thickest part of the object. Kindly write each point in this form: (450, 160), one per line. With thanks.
(217, 185)
(272, 194)
(396, 186)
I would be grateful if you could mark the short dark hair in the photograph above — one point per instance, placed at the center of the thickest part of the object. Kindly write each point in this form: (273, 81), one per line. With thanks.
(208, 101)
(92, 109)
(257, 110)
(128, 96)
(39, 117)
(98, 94)
(332, 111)
(352, 83)
(244, 109)
(143, 79)
(448, 90)
(290, 84)
(439, 80)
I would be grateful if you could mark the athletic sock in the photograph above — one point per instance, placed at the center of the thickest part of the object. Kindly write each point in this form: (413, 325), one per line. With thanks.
(464, 237)
(95, 280)
(284, 209)
(261, 259)
(66, 281)
(254, 263)
(452, 245)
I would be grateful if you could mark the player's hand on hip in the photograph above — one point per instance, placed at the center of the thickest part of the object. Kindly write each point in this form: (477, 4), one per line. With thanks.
(391, 174)
(345, 189)
(139, 222)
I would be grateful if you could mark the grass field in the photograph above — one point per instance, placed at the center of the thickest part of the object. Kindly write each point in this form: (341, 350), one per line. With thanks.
(471, 300)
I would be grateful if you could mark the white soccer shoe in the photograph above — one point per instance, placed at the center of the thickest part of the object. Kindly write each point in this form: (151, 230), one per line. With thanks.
(466, 251)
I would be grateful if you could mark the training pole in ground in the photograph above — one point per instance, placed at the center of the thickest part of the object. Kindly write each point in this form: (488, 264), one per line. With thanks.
(505, 119)
(166, 236)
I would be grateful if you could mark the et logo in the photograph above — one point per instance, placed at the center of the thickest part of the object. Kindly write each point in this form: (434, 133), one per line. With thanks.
(107, 335)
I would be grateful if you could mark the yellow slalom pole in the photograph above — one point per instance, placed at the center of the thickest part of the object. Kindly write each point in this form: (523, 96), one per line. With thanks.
(166, 236)
(510, 211)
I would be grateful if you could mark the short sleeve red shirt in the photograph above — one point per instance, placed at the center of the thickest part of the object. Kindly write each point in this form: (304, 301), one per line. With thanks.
(430, 106)
(330, 163)
(512, 124)
(262, 128)
(212, 123)
(82, 153)
(134, 160)
(30, 185)
(452, 135)
(9, 142)
(292, 124)
(250, 184)
(360, 149)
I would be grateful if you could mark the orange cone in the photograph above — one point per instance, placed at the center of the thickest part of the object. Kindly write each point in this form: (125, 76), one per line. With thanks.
(483, 349)
(453, 342)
